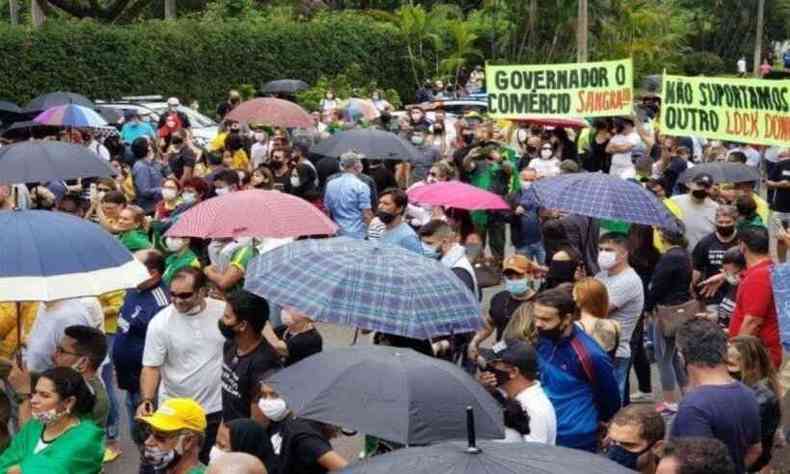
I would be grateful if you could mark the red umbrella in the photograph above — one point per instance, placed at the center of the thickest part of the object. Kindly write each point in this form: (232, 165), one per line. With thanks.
(457, 195)
(272, 112)
(253, 213)
(561, 122)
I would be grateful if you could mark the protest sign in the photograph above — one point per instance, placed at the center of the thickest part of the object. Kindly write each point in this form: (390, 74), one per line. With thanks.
(551, 90)
(739, 110)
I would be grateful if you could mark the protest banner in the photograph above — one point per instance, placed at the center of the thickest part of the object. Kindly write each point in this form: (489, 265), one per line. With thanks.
(554, 90)
(738, 110)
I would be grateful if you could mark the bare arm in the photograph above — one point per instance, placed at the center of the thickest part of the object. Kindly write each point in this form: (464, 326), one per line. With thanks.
(480, 336)
(225, 280)
(332, 461)
(752, 454)
(149, 382)
(750, 327)
(367, 216)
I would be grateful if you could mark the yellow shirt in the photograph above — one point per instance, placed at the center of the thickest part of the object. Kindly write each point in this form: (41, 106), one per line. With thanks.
(8, 322)
(240, 160)
(762, 207)
(677, 212)
(218, 142)
(111, 305)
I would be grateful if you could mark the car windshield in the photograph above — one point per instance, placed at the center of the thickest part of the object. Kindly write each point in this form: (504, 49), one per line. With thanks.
(197, 119)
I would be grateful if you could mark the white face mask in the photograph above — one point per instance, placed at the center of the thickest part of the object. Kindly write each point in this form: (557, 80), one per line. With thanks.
(607, 259)
(175, 244)
(274, 409)
(287, 318)
(546, 154)
(259, 136)
(295, 181)
(49, 416)
(525, 185)
(221, 191)
(189, 198)
(731, 279)
(169, 194)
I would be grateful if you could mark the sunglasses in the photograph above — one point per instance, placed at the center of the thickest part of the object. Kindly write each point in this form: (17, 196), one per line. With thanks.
(182, 296)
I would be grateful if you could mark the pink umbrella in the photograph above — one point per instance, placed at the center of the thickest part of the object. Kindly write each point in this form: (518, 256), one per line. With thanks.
(458, 195)
(253, 213)
(272, 112)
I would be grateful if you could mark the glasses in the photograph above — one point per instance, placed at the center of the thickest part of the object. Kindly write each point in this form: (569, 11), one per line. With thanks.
(182, 296)
(60, 350)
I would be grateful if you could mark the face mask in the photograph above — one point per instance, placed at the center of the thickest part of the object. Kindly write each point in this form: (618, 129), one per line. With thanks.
(158, 459)
(525, 185)
(214, 453)
(295, 181)
(176, 141)
(438, 129)
(725, 230)
(469, 139)
(417, 140)
(473, 250)
(502, 376)
(430, 180)
(554, 333)
(48, 417)
(517, 287)
(546, 154)
(736, 375)
(376, 97)
(227, 331)
(699, 194)
(274, 409)
(189, 198)
(623, 457)
(731, 279)
(169, 194)
(175, 244)
(258, 136)
(607, 259)
(221, 191)
(330, 97)
(287, 318)
(386, 217)
(430, 251)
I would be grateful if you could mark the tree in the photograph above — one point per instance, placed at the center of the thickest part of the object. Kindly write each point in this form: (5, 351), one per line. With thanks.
(758, 36)
(581, 32)
(108, 11)
(463, 48)
(13, 11)
(170, 9)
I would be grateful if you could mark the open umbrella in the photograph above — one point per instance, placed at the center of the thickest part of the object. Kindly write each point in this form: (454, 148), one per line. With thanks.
(457, 195)
(29, 129)
(369, 285)
(70, 115)
(487, 457)
(392, 393)
(284, 86)
(112, 115)
(253, 213)
(722, 173)
(272, 112)
(9, 111)
(53, 99)
(52, 255)
(42, 161)
(357, 109)
(371, 142)
(599, 195)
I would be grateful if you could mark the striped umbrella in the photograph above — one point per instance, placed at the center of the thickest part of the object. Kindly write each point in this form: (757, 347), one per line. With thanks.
(253, 213)
(368, 285)
(71, 115)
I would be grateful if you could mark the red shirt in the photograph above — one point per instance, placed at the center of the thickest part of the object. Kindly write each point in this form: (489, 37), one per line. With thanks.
(755, 297)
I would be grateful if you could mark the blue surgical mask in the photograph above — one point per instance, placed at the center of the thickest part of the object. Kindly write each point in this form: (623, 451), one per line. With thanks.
(517, 287)
(430, 251)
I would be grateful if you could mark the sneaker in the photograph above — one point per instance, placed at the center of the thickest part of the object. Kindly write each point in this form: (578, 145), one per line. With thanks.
(641, 397)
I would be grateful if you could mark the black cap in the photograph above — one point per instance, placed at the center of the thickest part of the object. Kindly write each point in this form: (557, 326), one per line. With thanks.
(517, 353)
(703, 179)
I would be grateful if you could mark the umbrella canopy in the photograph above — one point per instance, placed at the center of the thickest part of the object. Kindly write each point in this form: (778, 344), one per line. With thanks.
(111, 115)
(42, 161)
(393, 393)
(6, 106)
(272, 112)
(70, 115)
(29, 129)
(284, 86)
(371, 142)
(53, 99)
(457, 195)
(599, 195)
(357, 109)
(52, 255)
(559, 122)
(722, 173)
(369, 285)
(253, 213)
(490, 458)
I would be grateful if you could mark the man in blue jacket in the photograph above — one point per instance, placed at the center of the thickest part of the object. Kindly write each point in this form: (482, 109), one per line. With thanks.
(576, 374)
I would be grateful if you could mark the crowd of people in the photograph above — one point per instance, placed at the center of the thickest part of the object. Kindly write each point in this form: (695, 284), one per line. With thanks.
(583, 302)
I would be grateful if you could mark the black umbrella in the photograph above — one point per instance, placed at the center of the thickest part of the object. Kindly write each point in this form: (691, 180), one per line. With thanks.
(284, 86)
(29, 129)
(112, 115)
(53, 99)
(489, 458)
(9, 111)
(371, 142)
(722, 173)
(395, 394)
(42, 161)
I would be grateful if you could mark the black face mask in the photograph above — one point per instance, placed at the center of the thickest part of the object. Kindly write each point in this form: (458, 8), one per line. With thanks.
(736, 375)
(176, 141)
(531, 149)
(624, 457)
(469, 139)
(227, 331)
(555, 333)
(386, 217)
(502, 376)
(725, 230)
(235, 130)
(561, 272)
(699, 193)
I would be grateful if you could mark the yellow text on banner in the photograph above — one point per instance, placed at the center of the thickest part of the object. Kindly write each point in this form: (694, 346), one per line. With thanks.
(596, 89)
(738, 110)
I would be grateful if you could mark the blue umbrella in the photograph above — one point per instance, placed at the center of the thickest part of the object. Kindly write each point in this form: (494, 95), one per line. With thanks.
(51, 255)
(368, 285)
(601, 196)
(41, 161)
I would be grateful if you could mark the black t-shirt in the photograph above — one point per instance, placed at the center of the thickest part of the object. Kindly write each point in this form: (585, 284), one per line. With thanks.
(781, 172)
(707, 259)
(183, 158)
(302, 445)
(383, 177)
(326, 167)
(300, 346)
(241, 377)
(503, 305)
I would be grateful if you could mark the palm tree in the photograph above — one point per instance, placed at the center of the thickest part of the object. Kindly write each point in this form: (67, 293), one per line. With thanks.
(463, 48)
(581, 32)
(758, 36)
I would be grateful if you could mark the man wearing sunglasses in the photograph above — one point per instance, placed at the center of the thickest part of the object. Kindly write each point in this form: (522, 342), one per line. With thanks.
(174, 435)
(183, 352)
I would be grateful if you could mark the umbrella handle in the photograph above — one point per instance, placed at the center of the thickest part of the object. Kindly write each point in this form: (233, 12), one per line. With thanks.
(470, 431)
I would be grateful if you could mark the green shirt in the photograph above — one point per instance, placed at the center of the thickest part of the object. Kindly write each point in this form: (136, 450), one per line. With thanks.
(241, 258)
(101, 409)
(199, 469)
(177, 261)
(134, 240)
(80, 450)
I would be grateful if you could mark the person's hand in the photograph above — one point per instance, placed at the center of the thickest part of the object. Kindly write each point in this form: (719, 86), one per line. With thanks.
(19, 378)
(146, 408)
(709, 287)
(783, 235)
(473, 351)
(487, 379)
(520, 210)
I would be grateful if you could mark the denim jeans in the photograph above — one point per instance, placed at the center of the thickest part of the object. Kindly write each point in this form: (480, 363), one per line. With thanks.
(106, 373)
(622, 365)
(534, 251)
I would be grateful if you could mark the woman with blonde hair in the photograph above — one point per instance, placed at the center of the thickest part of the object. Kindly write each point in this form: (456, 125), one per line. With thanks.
(521, 325)
(593, 301)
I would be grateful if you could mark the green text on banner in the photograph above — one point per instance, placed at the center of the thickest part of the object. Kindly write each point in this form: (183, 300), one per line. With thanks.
(739, 110)
(575, 90)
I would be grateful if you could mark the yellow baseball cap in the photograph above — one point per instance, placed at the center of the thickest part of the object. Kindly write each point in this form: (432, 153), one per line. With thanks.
(177, 414)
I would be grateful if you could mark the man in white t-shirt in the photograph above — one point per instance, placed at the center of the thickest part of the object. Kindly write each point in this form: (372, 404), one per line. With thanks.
(512, 367)
(620, 147)
(183, 352)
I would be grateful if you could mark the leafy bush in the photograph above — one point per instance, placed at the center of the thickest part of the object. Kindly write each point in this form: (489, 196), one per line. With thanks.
(350, 83)
(194, 59)
(703, 62)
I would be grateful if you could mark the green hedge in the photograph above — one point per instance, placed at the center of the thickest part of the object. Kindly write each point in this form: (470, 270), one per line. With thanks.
(193, 59)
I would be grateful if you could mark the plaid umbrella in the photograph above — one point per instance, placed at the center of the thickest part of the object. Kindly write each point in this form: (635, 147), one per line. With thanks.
(722, 173)
(374, 286)
(601, 196)
(253, 213)
(70, 115)
(272, 112)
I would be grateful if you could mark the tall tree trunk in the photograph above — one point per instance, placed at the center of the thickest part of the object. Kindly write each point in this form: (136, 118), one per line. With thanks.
(170, 9)
(37, 13)
(13, 6)
(581, 32)
(758, 37)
